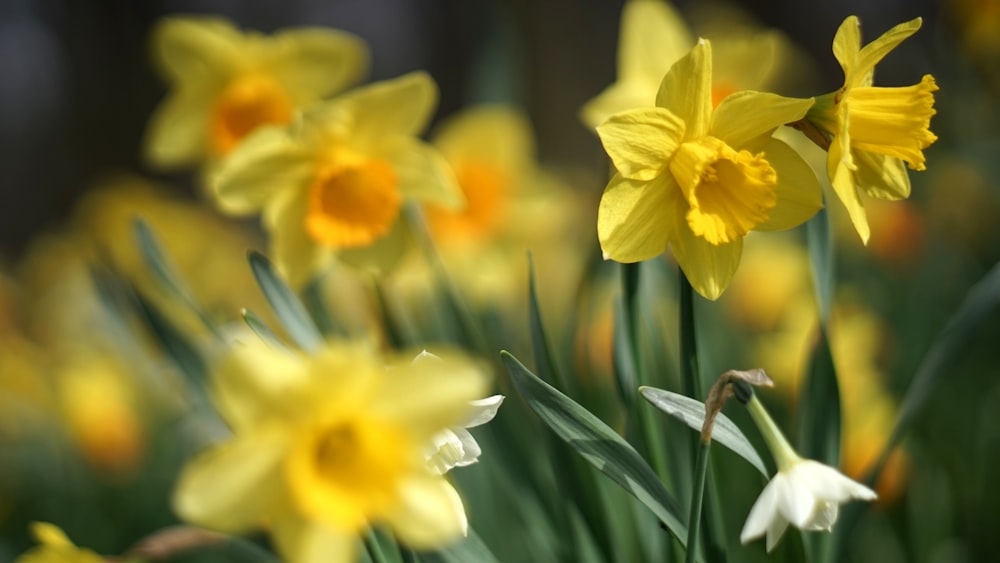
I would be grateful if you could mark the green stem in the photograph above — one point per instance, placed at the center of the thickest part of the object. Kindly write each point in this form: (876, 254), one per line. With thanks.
(690, 374)
(783, 452)
(694, 519)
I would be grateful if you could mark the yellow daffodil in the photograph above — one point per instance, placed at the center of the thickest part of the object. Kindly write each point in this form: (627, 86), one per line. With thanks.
(337, 178)
(56, 548)
(225, 83)
(324, 446)
(873, 130)
(699, 179)
(653, 36)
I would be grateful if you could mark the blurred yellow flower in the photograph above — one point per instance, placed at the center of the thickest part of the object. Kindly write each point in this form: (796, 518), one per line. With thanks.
(325, 446)
(101, 412)
(700, 179)
(56, 548)
(337, 178)
(653, 36)
(873, 129)
(225, 83)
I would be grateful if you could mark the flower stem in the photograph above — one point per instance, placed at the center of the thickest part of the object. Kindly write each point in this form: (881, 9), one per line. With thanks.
(784, 454)
(694, 518)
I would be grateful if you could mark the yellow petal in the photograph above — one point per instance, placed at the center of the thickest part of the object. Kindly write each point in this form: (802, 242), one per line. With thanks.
(620, 96)
(842, 178)
(635, 220)
(498, 135)
(873, 52)
(881, 176)
(641, 141)
(686, 90)
(429, 396)
(256, 383)
(312, 63)
(401, 106)
(429, 514)
(300, 540)
(422, 173)
(232, 486)
(177, 130)
(197, 48)
(747, 61)
(297, 255)
(799, 193)
(745, 120)
(846, 46)
(49, 534)
(264, 165)
(708, 267)
(382, 255)
(652, 37)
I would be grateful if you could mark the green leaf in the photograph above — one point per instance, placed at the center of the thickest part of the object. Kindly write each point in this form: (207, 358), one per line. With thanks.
(471, 548)
(692, 413)
(544, 362)
(820, 242)
(597, 443)
(177, 346)
(165, 274)
(819, 418)
(286, 304)
(261, 329)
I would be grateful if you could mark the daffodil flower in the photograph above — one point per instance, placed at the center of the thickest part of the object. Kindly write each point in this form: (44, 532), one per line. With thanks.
(455, 446)
(56, 548)
(337, 178)
(805, 493)
(699, 179)
(325, 446)
(226, 83)
(653, 36)
(873, 130)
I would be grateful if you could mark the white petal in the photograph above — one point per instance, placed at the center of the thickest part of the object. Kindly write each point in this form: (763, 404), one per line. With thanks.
(796, 502)
(483, 410)
(775, 530)
(764, 511)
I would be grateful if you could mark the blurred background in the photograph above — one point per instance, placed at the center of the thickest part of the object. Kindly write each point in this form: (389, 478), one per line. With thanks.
(77, 87)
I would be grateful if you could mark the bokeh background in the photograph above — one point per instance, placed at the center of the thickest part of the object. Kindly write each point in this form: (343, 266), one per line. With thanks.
(77, 87)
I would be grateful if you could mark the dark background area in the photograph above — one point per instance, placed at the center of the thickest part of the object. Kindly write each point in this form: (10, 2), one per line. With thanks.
(77, 84)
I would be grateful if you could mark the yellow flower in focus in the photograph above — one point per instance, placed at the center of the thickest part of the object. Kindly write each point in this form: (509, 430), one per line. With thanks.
(56, 548)
(324, 446)
(337, 179)
(653, 36)
(699, 179)
(225, 83)
(873, 130)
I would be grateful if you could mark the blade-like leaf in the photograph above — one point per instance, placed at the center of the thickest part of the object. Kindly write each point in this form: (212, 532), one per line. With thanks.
(598, 444)
(692, 413)
(819, 418)
(471, 548)
(165, 274)
(261, 329)
(820, 242)
(286, 304)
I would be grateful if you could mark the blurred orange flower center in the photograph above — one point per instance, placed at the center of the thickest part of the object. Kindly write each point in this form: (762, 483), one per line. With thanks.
(353, 203)
(243, 106)
(486, 192)
(347, 472)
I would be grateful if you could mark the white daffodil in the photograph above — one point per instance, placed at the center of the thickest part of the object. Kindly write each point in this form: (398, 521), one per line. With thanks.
(454, 446)
(805, 493)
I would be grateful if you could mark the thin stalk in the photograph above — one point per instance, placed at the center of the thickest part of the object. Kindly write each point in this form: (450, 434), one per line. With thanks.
(694, 520)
